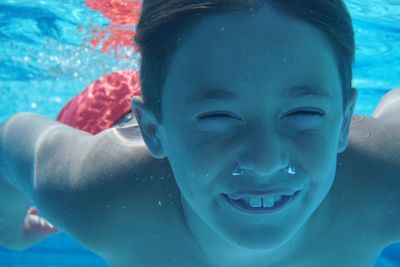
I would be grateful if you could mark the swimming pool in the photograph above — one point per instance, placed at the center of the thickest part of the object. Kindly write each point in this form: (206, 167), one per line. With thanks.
(48, 54)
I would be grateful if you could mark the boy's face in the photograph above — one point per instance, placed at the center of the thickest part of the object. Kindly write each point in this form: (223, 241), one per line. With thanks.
(249, 90)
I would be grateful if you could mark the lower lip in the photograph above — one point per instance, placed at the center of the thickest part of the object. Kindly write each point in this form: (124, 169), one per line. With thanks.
(279, 206)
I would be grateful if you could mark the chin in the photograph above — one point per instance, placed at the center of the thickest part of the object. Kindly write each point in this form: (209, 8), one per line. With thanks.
(266, 240)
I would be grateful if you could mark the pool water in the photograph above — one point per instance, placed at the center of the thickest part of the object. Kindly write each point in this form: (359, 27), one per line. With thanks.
(50, 50)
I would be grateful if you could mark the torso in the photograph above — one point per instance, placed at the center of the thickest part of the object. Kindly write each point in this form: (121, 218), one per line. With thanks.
(349, 236)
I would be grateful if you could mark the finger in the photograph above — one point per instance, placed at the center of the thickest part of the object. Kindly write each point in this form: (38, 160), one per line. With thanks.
(35, 224)
(33, 211)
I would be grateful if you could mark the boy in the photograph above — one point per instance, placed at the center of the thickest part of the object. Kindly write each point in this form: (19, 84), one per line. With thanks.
(263, 167)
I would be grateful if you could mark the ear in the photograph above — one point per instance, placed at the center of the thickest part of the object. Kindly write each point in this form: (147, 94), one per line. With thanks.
(348, 113)
(149, 127)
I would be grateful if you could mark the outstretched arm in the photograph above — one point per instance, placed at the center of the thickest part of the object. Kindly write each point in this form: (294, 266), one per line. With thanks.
(22, 137)
(388, 112)
(77, 180)
(20, 225)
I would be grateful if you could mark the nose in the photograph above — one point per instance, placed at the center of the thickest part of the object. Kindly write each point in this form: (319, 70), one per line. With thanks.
(264, 153)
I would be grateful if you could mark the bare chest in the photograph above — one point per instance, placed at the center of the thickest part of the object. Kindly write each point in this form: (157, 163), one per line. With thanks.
(342, 243)
(347, 248)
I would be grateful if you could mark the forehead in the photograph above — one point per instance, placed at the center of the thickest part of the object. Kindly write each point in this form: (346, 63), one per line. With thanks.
(260, 52)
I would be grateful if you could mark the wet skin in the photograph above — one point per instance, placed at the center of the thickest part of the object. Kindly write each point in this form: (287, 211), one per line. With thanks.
(263, 90)
(356, 220)
(155, 197)
(253, 95)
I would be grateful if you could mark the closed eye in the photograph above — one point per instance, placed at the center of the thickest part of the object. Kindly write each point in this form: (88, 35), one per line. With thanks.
(308, 113)
(228, 116)
(216, 116)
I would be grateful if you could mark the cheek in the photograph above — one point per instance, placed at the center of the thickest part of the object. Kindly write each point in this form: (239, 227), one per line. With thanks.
(189, 160)
(318, 160)
(317, 152)
(313, 144)
(199, 149)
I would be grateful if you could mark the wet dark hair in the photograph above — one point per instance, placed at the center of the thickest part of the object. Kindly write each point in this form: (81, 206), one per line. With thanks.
(162, 22)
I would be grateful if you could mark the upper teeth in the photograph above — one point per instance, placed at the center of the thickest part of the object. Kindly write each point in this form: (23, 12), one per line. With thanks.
(266, 202)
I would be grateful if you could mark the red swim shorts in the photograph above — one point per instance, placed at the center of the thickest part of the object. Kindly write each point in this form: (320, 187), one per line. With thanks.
(102, 103)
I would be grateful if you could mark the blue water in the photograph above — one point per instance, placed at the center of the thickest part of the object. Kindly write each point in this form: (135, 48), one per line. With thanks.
(43, 64)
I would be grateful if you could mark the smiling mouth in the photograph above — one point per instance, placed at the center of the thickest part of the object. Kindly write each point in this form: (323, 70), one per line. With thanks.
(262, 205)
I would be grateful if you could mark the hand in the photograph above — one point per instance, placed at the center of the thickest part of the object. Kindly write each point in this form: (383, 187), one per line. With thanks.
(36, 228)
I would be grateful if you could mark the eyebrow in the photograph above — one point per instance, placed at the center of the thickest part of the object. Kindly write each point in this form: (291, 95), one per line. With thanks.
(221, 94)
(304, 91)
(213, 94)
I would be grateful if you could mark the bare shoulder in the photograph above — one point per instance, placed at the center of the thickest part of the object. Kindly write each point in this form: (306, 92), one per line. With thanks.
(96, 187)
(388, 108)
(374, 161)
(376, 139)
(378, 136)
(143, 199)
